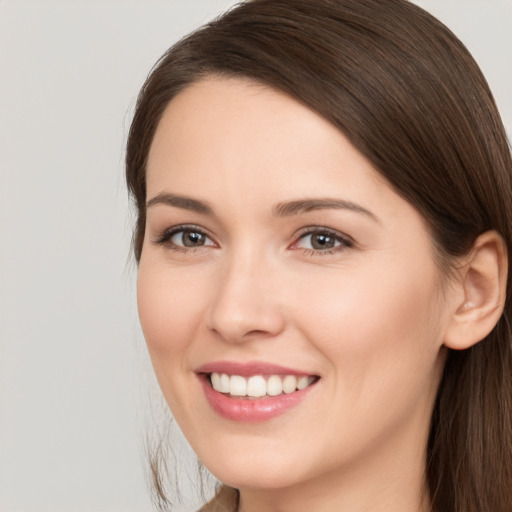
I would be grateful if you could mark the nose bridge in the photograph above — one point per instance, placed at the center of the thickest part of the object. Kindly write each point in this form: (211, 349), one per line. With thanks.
(245, 304)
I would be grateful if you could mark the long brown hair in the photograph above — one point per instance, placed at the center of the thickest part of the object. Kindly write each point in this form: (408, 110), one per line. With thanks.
(411, 99)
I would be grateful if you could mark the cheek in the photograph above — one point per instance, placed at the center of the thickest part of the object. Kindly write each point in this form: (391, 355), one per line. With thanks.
(380, 336)
(379, 330)
(169, 310)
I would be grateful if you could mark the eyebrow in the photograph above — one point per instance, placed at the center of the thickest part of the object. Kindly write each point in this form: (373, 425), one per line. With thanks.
(186, 203)
(307, 205)
(285, 209)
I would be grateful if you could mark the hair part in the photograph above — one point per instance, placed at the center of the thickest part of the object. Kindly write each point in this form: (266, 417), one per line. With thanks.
(409, 96)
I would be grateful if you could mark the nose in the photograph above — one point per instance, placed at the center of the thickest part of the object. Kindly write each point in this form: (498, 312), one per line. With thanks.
(247, 303)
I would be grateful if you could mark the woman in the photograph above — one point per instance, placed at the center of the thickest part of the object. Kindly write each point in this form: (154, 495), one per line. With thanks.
(323, 192)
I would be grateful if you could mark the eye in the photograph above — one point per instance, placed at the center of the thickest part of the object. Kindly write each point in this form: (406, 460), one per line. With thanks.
(321, 240)
(189, 238)
(184, 238)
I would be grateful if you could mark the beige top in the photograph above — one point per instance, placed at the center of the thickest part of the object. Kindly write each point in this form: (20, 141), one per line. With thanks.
(226, 500)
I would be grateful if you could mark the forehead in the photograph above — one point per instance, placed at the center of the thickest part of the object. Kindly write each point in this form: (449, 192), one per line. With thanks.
(234, 131)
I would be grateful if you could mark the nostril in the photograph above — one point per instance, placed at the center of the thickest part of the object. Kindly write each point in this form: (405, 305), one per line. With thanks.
(241, 331)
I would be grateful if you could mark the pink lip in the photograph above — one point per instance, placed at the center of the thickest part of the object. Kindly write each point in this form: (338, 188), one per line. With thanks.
(249, 410)
(248, 369)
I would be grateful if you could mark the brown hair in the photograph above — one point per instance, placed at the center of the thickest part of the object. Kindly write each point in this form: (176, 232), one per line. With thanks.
(411, 99)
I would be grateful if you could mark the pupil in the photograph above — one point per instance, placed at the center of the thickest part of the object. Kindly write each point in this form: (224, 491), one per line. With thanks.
(192, 239)
(322, 242)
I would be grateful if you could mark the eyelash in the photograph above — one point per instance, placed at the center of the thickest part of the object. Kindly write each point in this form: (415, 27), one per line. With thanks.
(343, 241)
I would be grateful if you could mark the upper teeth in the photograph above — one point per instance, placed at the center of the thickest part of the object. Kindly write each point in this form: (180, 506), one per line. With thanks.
(258, 385)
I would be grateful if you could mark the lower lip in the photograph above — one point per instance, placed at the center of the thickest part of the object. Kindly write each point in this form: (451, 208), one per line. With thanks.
(254, 410)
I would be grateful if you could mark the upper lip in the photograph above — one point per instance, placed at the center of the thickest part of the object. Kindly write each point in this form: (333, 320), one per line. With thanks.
(248, 369)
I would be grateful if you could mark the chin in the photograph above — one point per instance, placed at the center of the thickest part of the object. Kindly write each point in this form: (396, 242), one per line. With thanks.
(256, 467)
(247, 476)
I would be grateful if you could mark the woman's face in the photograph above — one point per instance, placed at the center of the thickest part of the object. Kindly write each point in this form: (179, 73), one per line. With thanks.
(274, 250)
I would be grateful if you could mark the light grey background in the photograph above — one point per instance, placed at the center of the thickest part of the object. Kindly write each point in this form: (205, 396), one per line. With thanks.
(75, 385)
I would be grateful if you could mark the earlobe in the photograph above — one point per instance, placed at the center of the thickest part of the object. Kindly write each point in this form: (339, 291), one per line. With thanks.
(482, 279)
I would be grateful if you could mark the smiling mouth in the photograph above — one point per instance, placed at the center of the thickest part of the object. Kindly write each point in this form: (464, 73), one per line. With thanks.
(259, 386)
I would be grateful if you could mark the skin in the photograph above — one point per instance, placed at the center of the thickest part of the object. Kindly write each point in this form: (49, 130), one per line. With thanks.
(369, 317)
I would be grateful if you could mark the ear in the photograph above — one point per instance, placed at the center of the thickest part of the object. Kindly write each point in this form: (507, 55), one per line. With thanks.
(482, 285)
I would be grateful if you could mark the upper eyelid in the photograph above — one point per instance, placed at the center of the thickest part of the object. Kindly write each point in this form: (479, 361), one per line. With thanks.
(324, 229)
(187, 227)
